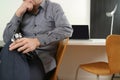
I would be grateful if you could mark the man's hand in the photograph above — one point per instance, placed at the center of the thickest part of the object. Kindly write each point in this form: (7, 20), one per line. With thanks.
(25, 6)
(25, 45)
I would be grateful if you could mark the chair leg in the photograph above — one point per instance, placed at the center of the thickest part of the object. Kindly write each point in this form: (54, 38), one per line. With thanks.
(113, 76)
(77, 71)
(98, 77)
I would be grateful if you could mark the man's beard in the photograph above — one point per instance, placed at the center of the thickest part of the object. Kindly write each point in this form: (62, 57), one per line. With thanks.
(34, 10)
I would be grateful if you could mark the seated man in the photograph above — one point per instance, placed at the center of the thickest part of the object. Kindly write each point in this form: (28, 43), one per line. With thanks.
(43, 24)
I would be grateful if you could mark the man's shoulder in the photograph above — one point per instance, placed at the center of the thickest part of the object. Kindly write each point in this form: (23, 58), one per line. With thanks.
(54, 4)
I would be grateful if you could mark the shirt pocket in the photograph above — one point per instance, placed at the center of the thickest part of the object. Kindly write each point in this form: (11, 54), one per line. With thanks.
(46, 25)
(50, 23)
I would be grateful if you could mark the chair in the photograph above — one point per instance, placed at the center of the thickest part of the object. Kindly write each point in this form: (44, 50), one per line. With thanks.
(106, 68)
(59, 57)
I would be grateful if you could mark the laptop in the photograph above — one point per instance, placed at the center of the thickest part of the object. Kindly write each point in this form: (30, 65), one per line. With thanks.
(80, 32)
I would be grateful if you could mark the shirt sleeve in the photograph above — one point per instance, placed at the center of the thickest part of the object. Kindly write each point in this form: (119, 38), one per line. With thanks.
(62, 29)
(11, 28)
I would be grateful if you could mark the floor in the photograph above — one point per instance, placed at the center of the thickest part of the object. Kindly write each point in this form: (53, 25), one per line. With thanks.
(95, 78)
(117, 78)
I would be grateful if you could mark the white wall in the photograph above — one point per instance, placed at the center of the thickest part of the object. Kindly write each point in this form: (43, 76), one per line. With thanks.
(7, 9)
(77, 11)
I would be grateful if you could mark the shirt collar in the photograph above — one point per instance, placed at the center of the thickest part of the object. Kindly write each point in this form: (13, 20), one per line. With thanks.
(43, 4)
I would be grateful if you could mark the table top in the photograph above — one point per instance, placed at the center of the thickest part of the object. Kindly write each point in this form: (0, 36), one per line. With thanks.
(89, 42)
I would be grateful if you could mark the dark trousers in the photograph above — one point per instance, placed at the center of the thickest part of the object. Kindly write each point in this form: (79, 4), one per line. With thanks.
(16, 66)
(36, 68)
(37, 71)
(49, 75)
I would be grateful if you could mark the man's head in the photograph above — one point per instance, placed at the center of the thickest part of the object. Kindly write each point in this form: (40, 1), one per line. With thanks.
(35, 5)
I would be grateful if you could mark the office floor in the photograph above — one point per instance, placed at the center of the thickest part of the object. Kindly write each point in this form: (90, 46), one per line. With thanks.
(100, 79)
(95, 78)
(117, 77)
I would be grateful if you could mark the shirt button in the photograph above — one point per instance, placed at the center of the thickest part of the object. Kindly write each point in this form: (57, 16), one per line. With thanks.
(35, 34)
(18, 21)
(14, 30)
(35, 25)
(56, 38)
(44, 43)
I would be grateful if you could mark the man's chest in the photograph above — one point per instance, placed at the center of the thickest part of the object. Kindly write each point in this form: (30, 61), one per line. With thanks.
(37, 24)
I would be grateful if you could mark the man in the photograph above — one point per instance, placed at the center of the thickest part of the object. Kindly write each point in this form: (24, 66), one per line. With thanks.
(43, 24)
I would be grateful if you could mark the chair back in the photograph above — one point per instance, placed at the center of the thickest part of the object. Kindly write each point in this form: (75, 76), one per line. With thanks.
(113, 53)
(59, 56)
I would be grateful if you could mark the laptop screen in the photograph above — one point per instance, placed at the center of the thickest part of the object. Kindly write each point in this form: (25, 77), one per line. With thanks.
(80, 32)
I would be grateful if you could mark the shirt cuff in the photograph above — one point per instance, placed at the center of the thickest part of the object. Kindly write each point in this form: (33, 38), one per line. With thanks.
(45, 39)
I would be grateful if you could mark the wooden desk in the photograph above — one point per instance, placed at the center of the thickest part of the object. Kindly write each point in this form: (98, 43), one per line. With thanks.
(90, 42)
(81, 52)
